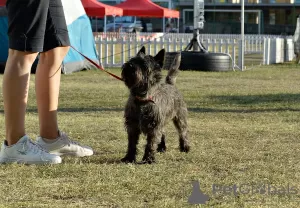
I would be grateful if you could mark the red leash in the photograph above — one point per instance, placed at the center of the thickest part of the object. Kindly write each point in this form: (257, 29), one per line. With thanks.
(97, 65)
(150, 99)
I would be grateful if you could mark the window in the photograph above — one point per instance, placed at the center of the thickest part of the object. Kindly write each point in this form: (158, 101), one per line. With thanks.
(124, 19)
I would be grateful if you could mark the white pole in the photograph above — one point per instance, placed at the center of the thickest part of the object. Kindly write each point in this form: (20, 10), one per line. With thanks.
(104, 24)
(96, 24)
(114, 23)
(259, 22)
(242, 34)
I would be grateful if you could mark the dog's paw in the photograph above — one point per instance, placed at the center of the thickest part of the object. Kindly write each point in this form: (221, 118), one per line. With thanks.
(148, 160)
(127, 159)
(161, 148)
(185, 148)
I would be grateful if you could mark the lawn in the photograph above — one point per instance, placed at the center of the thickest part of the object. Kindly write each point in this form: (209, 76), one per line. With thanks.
(244, 132)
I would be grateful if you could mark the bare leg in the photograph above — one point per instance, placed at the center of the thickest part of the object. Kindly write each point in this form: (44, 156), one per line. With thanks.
(15, 93)
(47, 90)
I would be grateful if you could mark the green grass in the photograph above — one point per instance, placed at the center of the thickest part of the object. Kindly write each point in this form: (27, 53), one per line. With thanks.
(243, 128)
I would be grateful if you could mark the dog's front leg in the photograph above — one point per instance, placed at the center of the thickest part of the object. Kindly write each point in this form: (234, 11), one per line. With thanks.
(149, 156)
(161, 147)
(133, 138)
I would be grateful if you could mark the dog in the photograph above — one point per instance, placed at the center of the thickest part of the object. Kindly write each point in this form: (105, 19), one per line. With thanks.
(151, 104)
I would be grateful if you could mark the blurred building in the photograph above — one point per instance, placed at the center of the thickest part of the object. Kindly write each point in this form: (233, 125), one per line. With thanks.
(261, 16)
(223, 16)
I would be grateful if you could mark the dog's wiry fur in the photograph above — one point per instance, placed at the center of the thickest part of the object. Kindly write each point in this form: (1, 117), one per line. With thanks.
(151, 104)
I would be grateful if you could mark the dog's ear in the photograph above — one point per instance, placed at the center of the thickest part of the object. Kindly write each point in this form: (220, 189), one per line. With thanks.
(160, 57)
(142, 52)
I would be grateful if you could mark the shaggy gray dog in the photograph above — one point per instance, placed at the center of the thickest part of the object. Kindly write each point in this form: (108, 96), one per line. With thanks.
(151, 104)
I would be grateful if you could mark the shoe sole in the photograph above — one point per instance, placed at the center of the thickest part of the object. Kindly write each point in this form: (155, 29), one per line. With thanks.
(72, 154)
(12, 161)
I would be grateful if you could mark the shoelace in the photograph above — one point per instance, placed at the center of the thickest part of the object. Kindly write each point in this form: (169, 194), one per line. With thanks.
(64, 136)
(35, 147)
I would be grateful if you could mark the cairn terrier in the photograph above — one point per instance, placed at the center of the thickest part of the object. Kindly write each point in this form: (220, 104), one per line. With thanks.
(151, 104)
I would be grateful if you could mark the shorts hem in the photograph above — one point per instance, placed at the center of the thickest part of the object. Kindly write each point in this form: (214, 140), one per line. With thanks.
(56, 40)
(23, 43)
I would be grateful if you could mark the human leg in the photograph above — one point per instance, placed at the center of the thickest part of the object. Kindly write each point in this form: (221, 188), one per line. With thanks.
(48, 83)
(47, 90)
(25, 20)
(48, 72)
(15, 93)
(25, 31)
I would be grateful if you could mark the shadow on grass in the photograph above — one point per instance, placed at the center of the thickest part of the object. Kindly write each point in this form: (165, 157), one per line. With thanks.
(76, 110)
(103, 157)
(257, 99)
(212, 110)
(90, 109)
(106, 161)
(113, 161)
(242, 100)
(253, 101)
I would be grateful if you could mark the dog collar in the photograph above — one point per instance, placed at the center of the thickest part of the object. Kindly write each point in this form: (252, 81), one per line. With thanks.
(148, 99)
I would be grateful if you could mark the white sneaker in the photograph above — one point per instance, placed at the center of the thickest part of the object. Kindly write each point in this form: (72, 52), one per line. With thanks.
(25, 151)
(64, 146)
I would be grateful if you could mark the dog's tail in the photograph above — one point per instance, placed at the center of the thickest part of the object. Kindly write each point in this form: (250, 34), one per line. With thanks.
(173, 70)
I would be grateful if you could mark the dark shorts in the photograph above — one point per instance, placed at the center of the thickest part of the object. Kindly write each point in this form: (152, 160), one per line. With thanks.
(36, 25)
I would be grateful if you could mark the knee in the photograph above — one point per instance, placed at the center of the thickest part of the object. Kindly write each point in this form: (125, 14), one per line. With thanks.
(21, 57)
(54, 54)
(64, 50)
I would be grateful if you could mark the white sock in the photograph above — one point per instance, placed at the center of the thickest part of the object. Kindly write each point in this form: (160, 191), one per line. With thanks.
(49, 141)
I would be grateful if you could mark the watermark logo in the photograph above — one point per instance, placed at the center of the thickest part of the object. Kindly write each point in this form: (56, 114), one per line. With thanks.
(252, 189)
(197, 196)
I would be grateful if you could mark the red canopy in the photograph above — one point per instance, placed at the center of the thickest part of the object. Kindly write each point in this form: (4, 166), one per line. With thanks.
(94, 8)
(2, 2)
(146, 8)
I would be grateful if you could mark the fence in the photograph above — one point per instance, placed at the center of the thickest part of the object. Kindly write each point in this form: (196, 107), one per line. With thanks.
(278, 50)
(115, 48)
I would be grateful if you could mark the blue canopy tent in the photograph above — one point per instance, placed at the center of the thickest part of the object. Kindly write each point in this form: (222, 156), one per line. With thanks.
(3, 38)
(80, 33)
